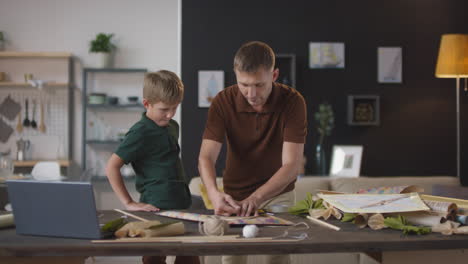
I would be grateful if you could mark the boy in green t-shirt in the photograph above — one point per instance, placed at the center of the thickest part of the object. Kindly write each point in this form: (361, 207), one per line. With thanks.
(152, 149)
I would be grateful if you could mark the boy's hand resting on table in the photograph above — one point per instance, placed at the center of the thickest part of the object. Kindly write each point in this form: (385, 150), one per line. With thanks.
(134, 206)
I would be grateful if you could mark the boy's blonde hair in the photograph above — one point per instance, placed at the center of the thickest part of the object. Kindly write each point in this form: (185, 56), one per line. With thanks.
(253, 56)
(163, 86)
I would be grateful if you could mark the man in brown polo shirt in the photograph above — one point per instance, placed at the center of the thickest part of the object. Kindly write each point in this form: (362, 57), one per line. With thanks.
(265, 126)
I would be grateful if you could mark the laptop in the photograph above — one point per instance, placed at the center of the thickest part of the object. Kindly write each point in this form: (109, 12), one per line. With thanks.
(54, 208)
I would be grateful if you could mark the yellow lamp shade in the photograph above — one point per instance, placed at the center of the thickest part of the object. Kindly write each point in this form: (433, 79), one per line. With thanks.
(453, 56)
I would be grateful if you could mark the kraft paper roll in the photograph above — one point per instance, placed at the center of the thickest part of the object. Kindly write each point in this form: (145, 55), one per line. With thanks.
(7, 220)
(425, 218)
(150, 229)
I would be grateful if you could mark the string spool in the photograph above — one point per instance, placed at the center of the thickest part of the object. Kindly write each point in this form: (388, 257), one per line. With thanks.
(213, 226)
(250, 231)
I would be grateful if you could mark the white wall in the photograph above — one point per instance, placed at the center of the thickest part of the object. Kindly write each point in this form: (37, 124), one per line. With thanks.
(147, 33)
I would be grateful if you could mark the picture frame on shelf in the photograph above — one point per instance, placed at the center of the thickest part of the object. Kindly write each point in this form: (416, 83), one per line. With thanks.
(346, 161)
(326, 55)
(390, 64)
(363, 110)
(286, 63)
(210, 83)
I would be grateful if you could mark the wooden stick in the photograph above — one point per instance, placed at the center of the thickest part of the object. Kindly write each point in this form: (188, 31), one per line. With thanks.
(323, 223)
(132, 215)
(194, 239)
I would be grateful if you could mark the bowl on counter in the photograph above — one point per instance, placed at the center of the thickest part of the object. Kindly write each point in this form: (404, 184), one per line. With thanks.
(112, 100)
(97, 98)
(132, 99)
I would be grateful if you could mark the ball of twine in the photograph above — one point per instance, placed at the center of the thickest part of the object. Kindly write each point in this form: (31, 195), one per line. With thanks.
(213, 226)
(250, 231)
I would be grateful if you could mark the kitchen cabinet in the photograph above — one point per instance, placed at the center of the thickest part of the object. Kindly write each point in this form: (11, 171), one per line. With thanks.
(51, 104)
(105, 112)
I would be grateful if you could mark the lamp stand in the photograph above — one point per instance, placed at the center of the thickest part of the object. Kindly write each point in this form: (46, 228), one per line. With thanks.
(458, 127)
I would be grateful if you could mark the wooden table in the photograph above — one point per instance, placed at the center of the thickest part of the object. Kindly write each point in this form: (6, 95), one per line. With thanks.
(321, 240)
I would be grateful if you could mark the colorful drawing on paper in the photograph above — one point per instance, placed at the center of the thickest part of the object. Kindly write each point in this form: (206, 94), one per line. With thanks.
(210, 83)
(375, 203)
(389, 64)
(259, 220)
(324, 55)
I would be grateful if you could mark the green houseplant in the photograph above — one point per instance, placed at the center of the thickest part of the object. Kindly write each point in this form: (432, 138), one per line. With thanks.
(325, 120)
(101, 48)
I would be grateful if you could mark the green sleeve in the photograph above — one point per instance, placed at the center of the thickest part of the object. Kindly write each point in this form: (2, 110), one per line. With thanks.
(132, 147)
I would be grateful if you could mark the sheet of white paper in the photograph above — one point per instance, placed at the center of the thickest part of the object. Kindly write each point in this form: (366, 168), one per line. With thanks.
(375, 203)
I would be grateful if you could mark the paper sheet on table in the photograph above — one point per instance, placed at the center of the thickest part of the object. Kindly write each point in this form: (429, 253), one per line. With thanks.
(376, 203)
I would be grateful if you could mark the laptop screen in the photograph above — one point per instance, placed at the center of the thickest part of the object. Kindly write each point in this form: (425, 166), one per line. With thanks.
(47, 208)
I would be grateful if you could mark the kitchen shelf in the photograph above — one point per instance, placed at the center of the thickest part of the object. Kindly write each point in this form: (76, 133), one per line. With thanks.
(21, 54)
(116, 70)
(89, 73)
(118, 107)
(102, 142)
(56, 66)
(31, 163)
(26, 85)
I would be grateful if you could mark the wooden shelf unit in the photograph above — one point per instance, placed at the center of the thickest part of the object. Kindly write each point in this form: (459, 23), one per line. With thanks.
(31, 163)
(26, 85)
(25, 54)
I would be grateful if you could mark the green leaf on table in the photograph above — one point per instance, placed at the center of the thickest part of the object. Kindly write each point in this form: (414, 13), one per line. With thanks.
(348, 217)
(303, 206)
(400, 223)
(114, 225)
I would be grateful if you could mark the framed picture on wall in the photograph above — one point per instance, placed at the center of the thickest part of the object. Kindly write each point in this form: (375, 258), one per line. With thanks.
(363, 110)
(389, 64)
(210, 83)
(326, 55)
(346, 161)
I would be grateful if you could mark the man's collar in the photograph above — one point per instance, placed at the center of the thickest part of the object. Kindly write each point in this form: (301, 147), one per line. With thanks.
(242, 105)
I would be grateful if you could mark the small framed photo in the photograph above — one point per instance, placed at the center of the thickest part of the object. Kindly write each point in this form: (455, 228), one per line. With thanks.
(346, 161)
(326, 55)
(363, 110)
(210, 83)
(389, 64)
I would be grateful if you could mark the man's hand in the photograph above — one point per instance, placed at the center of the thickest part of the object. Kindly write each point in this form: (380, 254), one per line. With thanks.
(134, 206)
(249, 206)
(224, 204)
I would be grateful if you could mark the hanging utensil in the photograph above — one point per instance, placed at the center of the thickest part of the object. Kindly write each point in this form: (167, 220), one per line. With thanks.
(33, 122)
(19, 126)
(26, 121)
(42, 126)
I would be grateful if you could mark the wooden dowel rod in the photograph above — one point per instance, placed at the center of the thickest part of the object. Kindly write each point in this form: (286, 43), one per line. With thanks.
(323, 223)
(131, 215)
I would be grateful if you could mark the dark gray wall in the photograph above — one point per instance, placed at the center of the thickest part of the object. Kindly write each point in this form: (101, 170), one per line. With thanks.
(417, 131)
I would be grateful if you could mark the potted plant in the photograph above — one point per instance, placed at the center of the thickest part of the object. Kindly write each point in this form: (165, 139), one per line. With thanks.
(325, 123)
(101, 48)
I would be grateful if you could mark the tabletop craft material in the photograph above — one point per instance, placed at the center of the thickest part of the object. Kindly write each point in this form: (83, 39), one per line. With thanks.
(376, 203)
(232, 220)
(196, 239)
(393, 189)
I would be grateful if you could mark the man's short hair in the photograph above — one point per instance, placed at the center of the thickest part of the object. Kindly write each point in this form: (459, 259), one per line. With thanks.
(253, 56)
(163, 86)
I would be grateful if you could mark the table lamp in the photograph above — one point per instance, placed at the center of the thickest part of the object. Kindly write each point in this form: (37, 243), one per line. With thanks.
(453, 63)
